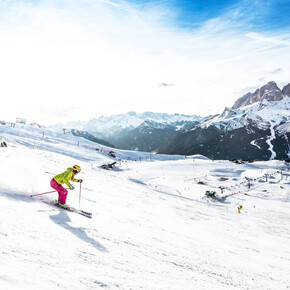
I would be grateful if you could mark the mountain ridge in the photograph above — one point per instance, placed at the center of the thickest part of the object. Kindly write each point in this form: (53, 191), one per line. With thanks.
(257, 124)
(134, 131)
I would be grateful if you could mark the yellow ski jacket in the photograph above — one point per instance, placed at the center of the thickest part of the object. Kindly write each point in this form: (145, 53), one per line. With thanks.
(65, 177)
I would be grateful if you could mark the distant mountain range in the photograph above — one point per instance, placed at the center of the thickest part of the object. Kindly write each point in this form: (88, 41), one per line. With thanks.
(257, 126)
(144, 132)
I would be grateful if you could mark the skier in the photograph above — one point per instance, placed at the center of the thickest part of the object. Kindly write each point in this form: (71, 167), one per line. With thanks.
(65, 178)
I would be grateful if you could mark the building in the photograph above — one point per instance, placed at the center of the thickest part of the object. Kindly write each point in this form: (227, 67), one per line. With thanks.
(21, 120)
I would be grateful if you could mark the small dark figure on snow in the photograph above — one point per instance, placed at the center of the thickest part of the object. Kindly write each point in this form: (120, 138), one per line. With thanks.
(210, 193)
(109, 166)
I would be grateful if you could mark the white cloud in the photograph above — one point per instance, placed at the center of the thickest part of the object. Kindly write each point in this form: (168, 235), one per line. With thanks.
(104, 57)
(272, 40)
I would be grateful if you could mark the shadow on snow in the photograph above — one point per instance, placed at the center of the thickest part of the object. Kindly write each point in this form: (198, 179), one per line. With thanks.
(62, 219)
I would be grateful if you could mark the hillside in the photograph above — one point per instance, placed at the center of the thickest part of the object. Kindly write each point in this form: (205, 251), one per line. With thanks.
(152, 228)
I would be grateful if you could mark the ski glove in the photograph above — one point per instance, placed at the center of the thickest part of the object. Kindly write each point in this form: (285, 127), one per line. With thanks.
(80, 180)
(71, 187)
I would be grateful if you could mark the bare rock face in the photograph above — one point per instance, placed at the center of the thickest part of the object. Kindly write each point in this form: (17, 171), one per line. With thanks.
(244, 100)
(286, 90)
(269, 92)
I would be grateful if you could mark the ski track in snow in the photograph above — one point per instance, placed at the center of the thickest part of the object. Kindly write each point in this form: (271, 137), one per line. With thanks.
(270, 139)
(151, 226)
(254, 144)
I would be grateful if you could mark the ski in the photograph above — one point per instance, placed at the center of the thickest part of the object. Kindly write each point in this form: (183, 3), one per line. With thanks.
(72, 209)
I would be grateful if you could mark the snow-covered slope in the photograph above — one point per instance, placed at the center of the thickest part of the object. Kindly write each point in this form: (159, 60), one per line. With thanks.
(70, 145)
(152, 228)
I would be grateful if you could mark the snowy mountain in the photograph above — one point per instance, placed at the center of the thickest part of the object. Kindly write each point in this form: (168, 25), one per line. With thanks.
(88, 136)
(113, 125)
(152, 226)
(146, 132)
(256, 127)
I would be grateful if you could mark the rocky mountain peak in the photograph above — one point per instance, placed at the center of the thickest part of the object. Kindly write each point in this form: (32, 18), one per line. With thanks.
(269, 92)
(286, 90)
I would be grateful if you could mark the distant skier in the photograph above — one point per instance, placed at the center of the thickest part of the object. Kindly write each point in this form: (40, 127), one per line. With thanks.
(65, 178)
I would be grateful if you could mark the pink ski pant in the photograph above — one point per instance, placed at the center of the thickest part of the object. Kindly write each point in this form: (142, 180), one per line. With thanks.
(62, 192)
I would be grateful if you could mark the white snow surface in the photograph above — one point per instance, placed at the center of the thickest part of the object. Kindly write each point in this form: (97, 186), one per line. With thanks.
(152, 228)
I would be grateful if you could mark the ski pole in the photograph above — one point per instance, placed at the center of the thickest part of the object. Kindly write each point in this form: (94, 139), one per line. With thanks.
(42, 193)
(80, 194)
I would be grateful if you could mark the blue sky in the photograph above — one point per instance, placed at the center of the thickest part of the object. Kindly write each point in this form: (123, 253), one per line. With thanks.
(261, 15)
(87, 58)
(190, 14)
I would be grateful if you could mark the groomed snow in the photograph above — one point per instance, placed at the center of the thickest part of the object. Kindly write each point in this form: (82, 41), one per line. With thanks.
(152, 228)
